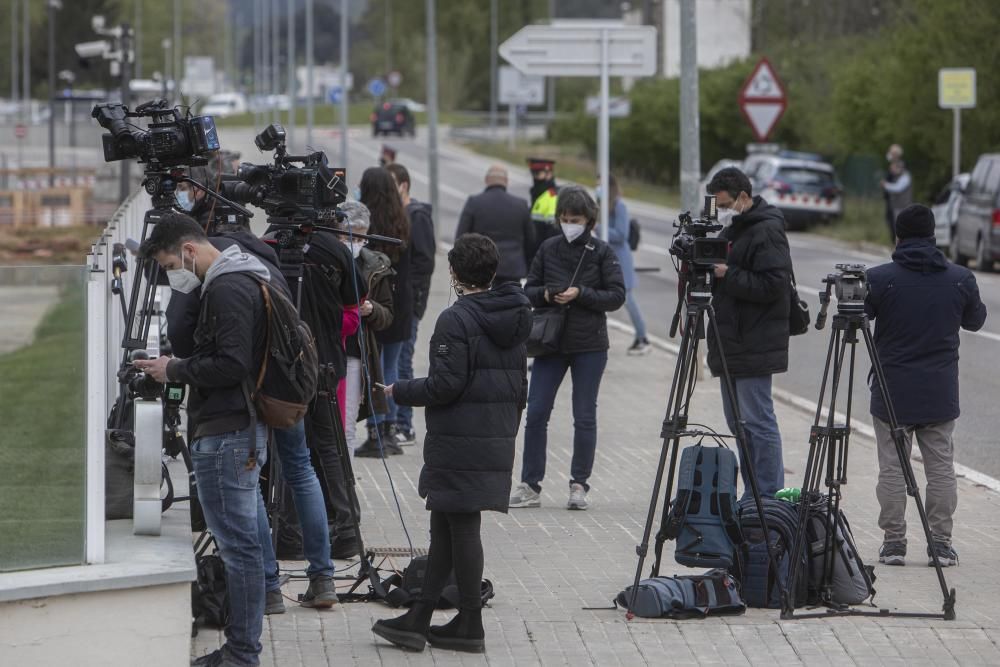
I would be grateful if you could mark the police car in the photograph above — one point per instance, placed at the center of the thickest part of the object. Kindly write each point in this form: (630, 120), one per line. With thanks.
(804, 187)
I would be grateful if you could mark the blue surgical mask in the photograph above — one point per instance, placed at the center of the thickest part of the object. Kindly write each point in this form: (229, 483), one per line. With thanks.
(356, 193)
(184, 199)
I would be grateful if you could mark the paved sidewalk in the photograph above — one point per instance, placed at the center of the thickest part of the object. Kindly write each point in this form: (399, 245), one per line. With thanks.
(549, 565)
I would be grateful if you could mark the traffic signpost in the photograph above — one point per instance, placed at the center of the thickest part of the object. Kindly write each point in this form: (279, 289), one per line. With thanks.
(956, 91)
(586, 48)
(763, 100)
(517, 89)
(376, 87)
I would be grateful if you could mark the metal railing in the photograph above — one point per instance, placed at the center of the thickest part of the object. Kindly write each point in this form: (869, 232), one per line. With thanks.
(106, 328)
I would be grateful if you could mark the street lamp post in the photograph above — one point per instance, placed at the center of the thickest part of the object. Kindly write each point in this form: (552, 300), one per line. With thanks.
(293, 84)
(53, 5)
(177, 48)
(167, 74)
(432, 104)
(310, 33)
(343, 82)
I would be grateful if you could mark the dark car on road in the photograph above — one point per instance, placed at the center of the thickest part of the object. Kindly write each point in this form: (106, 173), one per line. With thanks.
(801, 185)
(389, 118)
(977, 231)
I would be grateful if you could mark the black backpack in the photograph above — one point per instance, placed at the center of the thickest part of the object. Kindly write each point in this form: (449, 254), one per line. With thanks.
(852, 581)
(402, 590)
(289, 373)
(703, 517)
(634, 234)
(752, 567)
(209, 596)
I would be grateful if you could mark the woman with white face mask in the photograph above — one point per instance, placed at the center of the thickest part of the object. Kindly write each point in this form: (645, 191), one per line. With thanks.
(581, 273)
(376, 313)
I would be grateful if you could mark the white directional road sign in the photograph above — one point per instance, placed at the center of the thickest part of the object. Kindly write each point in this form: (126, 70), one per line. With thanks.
(586, 48)
(575, 50)
(518, 88)
(618, 107)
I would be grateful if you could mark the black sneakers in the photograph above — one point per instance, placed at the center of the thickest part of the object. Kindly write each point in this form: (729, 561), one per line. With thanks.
(640, 347)
(321, 594)
(946, 555)
(892, 553)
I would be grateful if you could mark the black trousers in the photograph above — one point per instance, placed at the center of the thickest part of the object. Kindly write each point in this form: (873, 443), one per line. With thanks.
(322, 422)
(455, 545)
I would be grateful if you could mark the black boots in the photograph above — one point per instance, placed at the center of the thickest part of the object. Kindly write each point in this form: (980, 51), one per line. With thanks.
(409, 630)
(462, 633)
(386, 432)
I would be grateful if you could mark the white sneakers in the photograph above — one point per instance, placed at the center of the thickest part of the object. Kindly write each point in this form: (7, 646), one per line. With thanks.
(525, 496)
(577, 497)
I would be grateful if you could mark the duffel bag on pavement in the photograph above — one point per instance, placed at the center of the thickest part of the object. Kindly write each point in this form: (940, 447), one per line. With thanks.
(713, 593)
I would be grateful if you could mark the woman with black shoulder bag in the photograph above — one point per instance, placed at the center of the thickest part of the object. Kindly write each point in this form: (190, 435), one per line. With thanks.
(575, 280)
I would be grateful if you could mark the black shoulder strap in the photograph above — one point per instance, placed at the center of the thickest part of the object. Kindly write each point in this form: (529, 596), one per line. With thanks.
(583, 254)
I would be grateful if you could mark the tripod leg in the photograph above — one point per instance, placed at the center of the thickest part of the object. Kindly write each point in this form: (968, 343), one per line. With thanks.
(676, 411)
(899, 441)
(741, 442)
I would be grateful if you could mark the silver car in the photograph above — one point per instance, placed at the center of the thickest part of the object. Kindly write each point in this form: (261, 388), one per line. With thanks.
(945, 210)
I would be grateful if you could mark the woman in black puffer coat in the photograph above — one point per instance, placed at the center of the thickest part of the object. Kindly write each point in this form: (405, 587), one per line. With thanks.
(474, 394)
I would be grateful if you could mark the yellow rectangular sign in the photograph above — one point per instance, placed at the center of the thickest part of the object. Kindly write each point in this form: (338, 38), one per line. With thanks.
(957, 88)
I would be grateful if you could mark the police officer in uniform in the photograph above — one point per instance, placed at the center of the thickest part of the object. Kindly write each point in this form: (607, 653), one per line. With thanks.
(544, 193)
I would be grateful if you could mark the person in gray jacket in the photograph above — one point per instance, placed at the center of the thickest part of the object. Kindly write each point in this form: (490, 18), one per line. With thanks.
(504, 219)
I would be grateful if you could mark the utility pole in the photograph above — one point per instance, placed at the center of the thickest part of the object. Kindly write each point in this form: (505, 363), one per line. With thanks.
(53, 6)
(13, 52)
(293, 84)
(310, 34)
(26, 60)
(550, 82)
(388, 37)
(265, 59)
(255, 27)
(138, 39)
(227, 45)
(432, 105)
(168, 75)
(178, 50)
(126, 46)
(344, 55)
(275, 60)
(493, 70)
(690, 148)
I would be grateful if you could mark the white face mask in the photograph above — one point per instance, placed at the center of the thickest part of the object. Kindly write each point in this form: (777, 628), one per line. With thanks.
(726, 215)
(184, 280)
(572, 232)
(356, 247)
(184, 200)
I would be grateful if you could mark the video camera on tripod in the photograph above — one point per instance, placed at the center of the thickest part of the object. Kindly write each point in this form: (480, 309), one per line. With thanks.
(850, 284)
(697, 254)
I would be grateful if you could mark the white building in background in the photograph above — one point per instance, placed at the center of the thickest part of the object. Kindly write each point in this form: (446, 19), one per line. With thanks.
(723, 33)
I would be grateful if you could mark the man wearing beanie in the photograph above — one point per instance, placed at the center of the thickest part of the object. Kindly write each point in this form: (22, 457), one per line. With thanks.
(919, 301)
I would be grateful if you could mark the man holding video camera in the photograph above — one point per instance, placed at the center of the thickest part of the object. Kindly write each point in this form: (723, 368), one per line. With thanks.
(919, 302)
(752, 299)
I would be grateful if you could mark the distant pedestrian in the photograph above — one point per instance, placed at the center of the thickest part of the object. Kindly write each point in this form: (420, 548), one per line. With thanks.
(386, 156)
(597, 289)
(544, 193)
(503, 218)
(618, 230)
(424, 247)
(919, 302)
(473, 395)
(752, 300)
(893, 154)
(898, 190)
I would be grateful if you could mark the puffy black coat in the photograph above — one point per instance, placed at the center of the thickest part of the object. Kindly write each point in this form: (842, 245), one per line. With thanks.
(919, 302)
(424, 249)
(602, 288)
(474, 394)
(506, 220)
(752, 301)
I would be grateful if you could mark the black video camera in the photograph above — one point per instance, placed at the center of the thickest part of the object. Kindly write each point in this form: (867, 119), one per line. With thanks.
(850, 284)
(296, 189)
(691, 243)
(172, 139)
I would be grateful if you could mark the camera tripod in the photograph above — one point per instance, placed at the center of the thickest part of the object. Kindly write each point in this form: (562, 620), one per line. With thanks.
(826, 463)
(696, 302)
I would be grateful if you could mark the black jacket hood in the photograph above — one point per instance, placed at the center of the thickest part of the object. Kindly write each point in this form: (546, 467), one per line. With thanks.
(503, 312)
(419, 207)
(920, 255)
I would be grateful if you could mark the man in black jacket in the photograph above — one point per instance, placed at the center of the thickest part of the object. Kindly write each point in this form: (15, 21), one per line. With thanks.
(423, 248)
(303, 518)
(503, 218)
(752, 299)
(226, 451)
(919, 302)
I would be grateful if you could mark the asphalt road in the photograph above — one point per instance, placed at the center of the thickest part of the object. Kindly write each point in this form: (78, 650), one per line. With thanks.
(461, 174)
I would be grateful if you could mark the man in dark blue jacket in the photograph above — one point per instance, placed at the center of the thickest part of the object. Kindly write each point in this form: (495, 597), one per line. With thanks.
(919, 302)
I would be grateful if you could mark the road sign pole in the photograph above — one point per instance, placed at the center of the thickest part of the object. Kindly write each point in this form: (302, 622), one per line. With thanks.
(956, 145)
(293, 81)
(432, 106)
(603, 140)
(511, 127)
(310, 91)
(344, 56)
(493, 70)
(690, 148)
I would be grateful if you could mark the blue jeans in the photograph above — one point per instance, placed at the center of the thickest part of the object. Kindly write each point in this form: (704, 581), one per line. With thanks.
(404, 413)
(298, 473)
(547, 373)
(753, 396)
(230, 497)
(634, 314)
(390, 373)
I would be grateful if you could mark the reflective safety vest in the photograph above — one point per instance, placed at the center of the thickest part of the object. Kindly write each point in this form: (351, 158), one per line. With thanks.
(544, 208)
